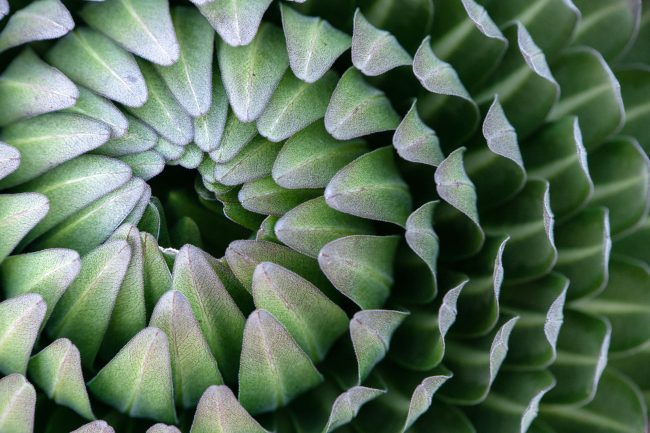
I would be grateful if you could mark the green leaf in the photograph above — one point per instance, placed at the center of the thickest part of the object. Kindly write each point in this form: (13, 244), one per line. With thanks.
(608, 26)
(29, 87)
(220, 412)
(221, 321)
(274, 369)
(624, 302)
(523, 82)
(209, 128)
(478, 306)
(57, 371)
(4, 8)
(558, 155)
(496, 169)
(39, 20)
(145, 165)
(169, 151)
(191, 157)
(466, 37)
(635, 85)
(162, 428)
(583, 245)
(157, 277)
(190, 78)
(309, 226)
(137, 138)
(129, 313)
(420, 341)
(347, 406)
(266, 197)
(595, 98)
(581, 358)
(236, 136)
(47, 141)
(108, 69)
(194, 368)
(535, 16)
(528, 220)
(312, 43)
(633, 244)
(19, 213)
(75, 185)
(138, 381)
(312, 157)
(375, 51)
(236, 21)
(255, 161)
(249, 75)
(295, 105)
(92, 225)
(96, 107)
(415, 141)
(620, 170)
(47, 273)
(617, 407)
(513, 402)
(446, 98)
(83, 312)
(243, 256)
(161, 111)
(9, 160)
(20, 322)
(361, 267)
(95, 427)
(475, 364)
(371, 332)
(371, 187)
(539, 305)
(357, 109)
(17, 404)
(308, 315)
(143, 27)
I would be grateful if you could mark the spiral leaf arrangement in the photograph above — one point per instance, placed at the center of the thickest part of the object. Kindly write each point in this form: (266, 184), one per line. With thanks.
(385, 216)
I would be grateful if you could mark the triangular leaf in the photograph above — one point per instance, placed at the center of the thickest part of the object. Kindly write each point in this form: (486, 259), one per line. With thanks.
(29, 87)
(236, 21)
(347, 405)
(143, 27)
(19, 213)
(138, 381)
(371, 187)
(17, 404)
(57, 371)
(39, 20)
(20, 322)
(273, 369)
(95, 427)
(108, 70)
(415, 141)
(220, 412)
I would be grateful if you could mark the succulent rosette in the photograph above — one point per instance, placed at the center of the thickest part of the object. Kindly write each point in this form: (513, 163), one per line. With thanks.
(369, 216)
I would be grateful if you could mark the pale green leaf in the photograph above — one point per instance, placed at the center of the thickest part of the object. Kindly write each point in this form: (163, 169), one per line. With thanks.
(20, 322)
(236, 135)
(57, 371)
(210, 127)
(19, 213)
(50, 140)
(312, 43)
(95, 427)
(137, 138)
(375, 51)
(236, 21)
(39, 20)
(220, 412)
(96, 62)
(157, 277)
(138, 380)
(17, 404)
(97, 107)
(308, 315)
(194, 369)
(254, 161)
(9, 160)
(83, 312)
(250, 75)
(273, 369)
(371, 187)
(415, 141)
(190, 78)
(422, 397)
(312, 157)
(266, 197)
(145, 165)
(29, 87)
(143, 27)
(371, 332)
(347, 406)
(357, 109)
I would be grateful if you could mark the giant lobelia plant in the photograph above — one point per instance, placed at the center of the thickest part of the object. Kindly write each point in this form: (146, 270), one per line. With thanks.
(371, 216)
